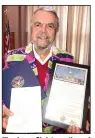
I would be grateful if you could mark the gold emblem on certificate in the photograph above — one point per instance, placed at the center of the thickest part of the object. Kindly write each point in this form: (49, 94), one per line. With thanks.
(62, 118)
(17, 82)
(72, 122)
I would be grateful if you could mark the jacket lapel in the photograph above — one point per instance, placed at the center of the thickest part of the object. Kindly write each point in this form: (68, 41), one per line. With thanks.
(31, 58)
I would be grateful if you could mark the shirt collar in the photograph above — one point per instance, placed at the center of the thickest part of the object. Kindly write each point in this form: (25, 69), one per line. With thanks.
(38, 57)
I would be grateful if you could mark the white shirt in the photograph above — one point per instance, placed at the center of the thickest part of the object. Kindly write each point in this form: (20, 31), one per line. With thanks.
(38, 57)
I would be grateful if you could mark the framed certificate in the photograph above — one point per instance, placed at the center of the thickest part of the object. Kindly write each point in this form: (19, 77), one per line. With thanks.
(67, 95)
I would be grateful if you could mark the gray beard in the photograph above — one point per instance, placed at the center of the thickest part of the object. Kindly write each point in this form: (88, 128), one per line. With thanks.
(44, 47)
(37, 47)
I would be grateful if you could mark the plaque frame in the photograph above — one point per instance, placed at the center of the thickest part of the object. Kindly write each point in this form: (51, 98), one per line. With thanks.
(87, 93)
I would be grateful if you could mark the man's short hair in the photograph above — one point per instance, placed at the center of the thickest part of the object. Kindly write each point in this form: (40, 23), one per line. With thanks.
(49, 9)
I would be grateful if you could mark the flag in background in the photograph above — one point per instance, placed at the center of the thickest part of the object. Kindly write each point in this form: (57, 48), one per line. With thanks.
(6, 42)
(7, 38)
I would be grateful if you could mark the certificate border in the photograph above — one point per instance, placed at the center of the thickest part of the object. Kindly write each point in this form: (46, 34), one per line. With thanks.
(87, 93)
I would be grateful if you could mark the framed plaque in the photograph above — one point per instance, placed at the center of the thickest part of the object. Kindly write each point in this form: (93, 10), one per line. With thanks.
(67, 95)
(20, 90)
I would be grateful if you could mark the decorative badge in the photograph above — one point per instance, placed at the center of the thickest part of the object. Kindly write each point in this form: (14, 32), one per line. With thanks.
(72, 122)
(62, 118)
(17, 82)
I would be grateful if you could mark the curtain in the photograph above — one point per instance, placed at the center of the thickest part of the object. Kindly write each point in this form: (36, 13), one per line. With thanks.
(74, 30)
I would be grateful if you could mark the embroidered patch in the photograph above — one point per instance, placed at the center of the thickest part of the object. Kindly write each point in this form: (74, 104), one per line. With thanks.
(60, 51)
(35, 71)
(50, 64)
(17, 82)
(48, 129)
(28, 48)
(15, 57)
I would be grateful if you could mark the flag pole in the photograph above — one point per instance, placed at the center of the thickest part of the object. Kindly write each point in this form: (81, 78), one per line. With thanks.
(7, 38)
(6, 15)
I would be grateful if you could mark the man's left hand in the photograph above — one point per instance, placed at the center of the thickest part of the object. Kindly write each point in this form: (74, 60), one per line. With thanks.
(76, 130)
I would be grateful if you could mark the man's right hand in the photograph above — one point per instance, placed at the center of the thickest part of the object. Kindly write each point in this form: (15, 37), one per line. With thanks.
(5, 115)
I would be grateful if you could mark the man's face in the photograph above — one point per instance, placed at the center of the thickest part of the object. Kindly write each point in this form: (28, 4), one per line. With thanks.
(43, 29)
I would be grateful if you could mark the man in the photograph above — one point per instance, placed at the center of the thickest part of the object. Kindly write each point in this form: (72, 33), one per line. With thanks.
(40, 54)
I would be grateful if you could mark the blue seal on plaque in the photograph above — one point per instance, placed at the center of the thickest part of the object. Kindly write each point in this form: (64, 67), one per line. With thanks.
(20, 74)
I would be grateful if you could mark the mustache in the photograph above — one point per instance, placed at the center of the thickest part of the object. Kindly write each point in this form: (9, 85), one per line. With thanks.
(43, 36)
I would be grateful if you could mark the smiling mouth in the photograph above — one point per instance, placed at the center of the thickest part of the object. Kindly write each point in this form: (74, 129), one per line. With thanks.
(43, 38)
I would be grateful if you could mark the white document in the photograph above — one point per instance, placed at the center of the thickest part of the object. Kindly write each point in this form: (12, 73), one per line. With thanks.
(66, 100)
(26, 106)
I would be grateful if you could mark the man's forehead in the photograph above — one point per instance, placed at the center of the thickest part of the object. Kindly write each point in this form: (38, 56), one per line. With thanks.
(44, 16)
